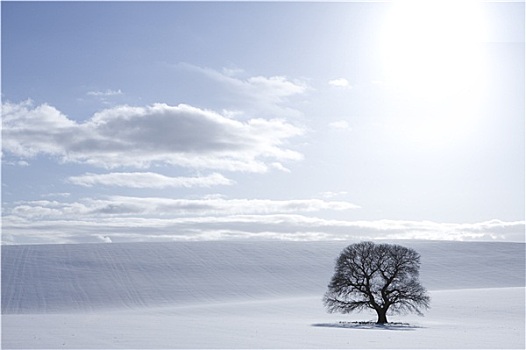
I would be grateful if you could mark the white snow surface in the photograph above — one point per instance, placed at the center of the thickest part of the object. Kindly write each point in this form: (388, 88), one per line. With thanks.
(264, 294)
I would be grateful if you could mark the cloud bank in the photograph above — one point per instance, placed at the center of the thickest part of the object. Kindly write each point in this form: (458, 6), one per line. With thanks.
(138, 137)
(125, 206)
(126, 219)
(148, 180)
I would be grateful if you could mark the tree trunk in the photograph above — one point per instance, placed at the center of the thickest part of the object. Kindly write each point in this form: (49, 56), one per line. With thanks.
(382, 316)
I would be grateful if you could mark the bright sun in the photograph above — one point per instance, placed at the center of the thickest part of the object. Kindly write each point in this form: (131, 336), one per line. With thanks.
(431, 50)
(433, 45)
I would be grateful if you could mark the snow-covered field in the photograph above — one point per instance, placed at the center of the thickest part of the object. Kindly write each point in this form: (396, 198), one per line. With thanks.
(248, 295)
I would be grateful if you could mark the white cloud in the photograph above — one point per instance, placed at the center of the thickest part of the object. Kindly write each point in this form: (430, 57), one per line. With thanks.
(139, 136)
(340, 124)
(340, 82)
(20, 163)
(279, 166)
(104, 238)
(257, 94)
(28, 131)
(274, 88)
(232, 71)
(148, 180)
(106, 93)
(57, 194)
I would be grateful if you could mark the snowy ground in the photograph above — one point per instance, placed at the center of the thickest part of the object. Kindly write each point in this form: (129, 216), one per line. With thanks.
(247, 295)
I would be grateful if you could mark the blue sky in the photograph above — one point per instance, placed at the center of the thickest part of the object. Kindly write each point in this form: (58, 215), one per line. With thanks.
(136, 121)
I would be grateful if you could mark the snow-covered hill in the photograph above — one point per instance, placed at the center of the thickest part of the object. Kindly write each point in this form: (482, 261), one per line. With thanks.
(89, 277)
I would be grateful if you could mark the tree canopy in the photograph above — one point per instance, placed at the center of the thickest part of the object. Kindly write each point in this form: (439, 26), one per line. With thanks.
(382, 277)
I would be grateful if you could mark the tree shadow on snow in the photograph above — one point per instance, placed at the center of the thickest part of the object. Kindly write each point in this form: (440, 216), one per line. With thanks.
(391, 326)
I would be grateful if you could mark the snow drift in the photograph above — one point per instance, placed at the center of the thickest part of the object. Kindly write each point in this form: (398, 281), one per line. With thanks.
(89, 277)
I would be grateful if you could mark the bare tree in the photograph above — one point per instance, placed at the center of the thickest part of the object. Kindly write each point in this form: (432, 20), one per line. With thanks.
(382, 277)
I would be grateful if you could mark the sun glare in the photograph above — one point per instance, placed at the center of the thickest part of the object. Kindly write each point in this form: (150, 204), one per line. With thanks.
(431, 50)
(433, 47)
